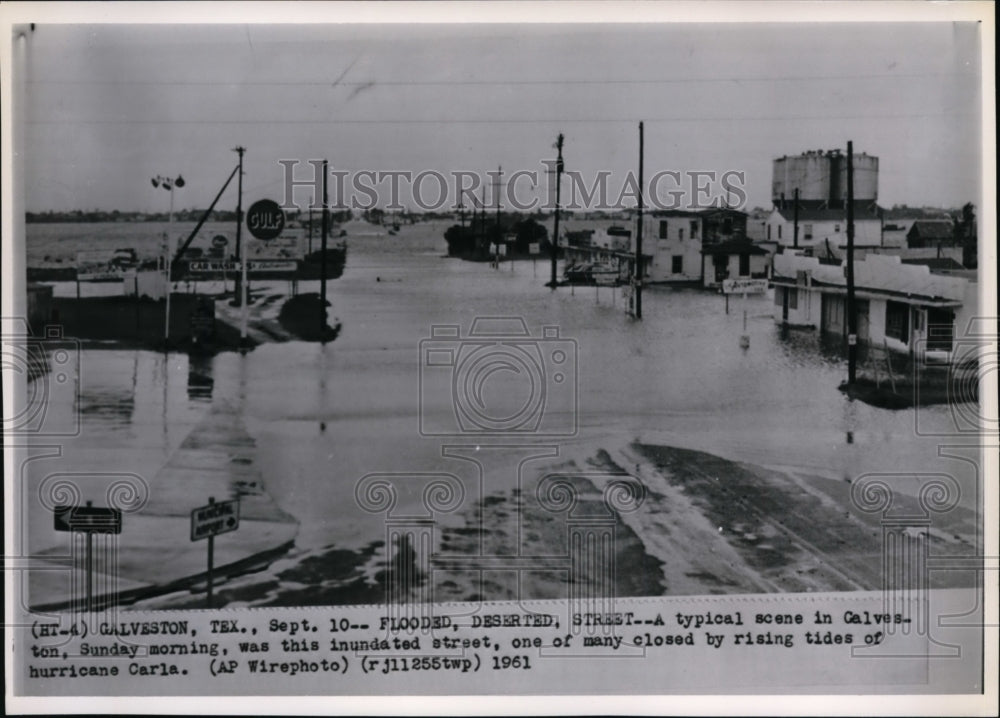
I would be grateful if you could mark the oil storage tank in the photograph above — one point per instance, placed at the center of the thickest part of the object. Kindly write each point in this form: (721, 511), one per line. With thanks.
(822, 176)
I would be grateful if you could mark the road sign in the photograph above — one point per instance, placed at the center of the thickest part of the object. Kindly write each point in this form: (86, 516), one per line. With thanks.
(214, 519)
(744, 286)
(534, 248)
(265, 219)
(220, 240)
(93, 519)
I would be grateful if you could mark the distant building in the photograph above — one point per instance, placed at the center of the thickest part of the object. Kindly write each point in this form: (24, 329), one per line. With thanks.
(815, 183)
(735, 259)
(672, 242)
(819, 223)
(925, 233)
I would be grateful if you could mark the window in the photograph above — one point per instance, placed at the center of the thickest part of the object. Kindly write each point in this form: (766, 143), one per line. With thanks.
(940, 329)
(789, 294)
(807, 231)
(680, 234)
(836, 228)
(677, 264)
(694, 229)
(727, 225)
(768, 231)
(779, 231)
(663, 229)
(744, 265)
(897, 321)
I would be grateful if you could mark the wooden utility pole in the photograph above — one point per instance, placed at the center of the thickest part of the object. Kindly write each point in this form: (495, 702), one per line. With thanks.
(311, 225)
(795, 219)
(496, 188)
(638, 238)
(555, 230)
(482, 219)
(240, 276)
(852, 310)
(324, 228)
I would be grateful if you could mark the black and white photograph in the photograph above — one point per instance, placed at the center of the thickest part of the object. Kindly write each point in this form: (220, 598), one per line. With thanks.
(355, 354)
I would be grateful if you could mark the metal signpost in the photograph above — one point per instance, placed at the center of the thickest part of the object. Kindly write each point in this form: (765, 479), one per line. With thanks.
(89, 520)
(744, 287)
(208, 522)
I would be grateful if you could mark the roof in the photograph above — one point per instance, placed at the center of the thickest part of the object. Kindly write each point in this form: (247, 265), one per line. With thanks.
(935, 263)
(820, 211)
(932, 229)
(720, 210)
(733, 246)
(672, 213)
(876, 274)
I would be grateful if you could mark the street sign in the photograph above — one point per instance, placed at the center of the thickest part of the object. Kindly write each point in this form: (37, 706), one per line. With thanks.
(91, 519)
(220, 241)
(744, 286)
(534, 248)
(214, 519)
(265, 219)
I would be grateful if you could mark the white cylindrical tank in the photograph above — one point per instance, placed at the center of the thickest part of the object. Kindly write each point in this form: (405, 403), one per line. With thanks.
(808, 172)
(865, 178)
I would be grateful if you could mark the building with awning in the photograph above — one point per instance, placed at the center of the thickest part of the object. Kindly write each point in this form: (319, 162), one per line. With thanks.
(906, 308)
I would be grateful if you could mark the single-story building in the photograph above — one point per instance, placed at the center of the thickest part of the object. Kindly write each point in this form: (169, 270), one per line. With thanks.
(906, 308)
(732, 260)
(930, 233)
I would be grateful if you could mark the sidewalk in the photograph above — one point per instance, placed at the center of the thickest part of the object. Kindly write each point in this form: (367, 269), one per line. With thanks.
(154, 552)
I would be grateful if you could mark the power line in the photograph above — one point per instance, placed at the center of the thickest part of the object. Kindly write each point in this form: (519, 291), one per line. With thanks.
(493, 83)
(511, 121)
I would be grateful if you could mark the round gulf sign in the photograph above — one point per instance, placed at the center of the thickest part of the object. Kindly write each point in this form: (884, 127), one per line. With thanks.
(265, 219)
(220, 241)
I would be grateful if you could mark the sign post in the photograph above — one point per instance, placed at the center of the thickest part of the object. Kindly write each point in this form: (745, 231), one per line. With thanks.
(744, 287)
(208, 522)
(89, 520)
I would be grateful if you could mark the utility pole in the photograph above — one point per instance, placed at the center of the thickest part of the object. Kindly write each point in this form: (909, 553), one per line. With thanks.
(482, 219)
(638, 238)
(795, 220)
(311, 225)
(554, 244)
(852, 310)
(496, 188)
(322, 263)
(241, 278)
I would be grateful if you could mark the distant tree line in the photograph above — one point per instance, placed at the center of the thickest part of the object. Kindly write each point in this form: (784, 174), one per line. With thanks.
(476, 240)
(99, 215)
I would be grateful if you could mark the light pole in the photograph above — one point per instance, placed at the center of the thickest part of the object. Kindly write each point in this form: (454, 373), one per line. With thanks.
(168, 184)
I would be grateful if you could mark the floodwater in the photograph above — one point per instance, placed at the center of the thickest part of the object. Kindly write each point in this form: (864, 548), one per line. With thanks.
(326, 417)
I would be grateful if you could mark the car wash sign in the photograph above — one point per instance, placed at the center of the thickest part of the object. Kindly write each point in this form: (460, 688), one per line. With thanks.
(265, 219)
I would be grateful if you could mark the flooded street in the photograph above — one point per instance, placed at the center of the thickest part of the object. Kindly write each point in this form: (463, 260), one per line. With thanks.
(325, 417)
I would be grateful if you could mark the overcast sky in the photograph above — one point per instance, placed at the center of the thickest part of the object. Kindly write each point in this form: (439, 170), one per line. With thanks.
(111, 106)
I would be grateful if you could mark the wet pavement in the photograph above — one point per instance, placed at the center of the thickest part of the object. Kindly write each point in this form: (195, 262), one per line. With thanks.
(323, 418)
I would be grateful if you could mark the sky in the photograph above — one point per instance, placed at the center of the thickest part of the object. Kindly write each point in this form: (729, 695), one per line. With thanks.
(110, 106)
